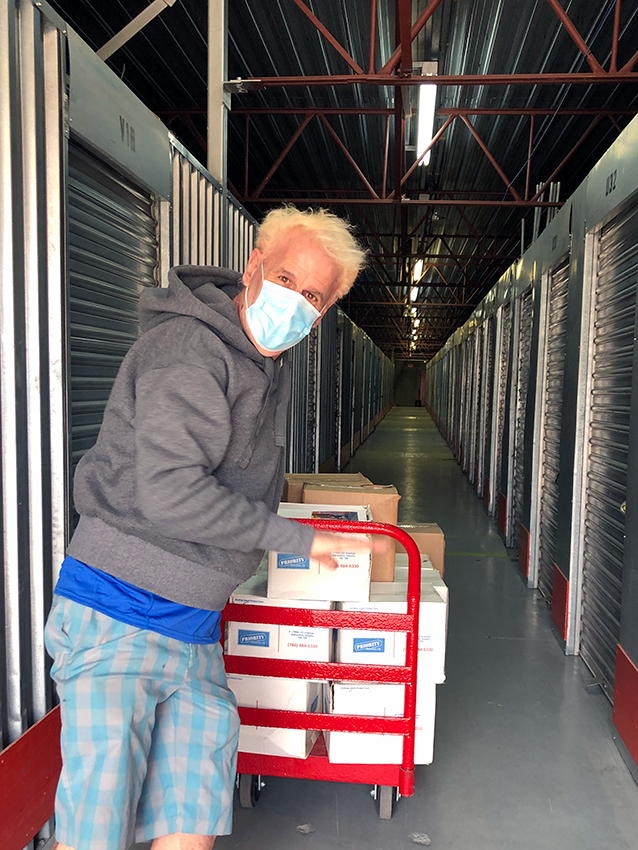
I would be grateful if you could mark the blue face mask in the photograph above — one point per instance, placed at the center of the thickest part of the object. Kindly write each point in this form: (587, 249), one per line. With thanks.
(280, 317)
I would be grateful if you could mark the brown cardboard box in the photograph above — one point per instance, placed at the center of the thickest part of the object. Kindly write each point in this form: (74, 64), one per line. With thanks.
(430, 540)
(294, 482)
(384, 505)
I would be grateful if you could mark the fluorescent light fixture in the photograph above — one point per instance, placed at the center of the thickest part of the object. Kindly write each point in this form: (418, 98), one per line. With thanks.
(418, 271)
(414, 293)
(425, 126)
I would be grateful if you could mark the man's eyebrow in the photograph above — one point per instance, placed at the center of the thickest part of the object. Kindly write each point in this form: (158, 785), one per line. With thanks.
(289, 274)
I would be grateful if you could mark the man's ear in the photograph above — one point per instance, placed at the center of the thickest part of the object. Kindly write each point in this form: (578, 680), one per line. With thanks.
(254, 261)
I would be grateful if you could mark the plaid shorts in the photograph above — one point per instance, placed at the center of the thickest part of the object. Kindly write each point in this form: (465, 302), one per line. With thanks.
(149, 732)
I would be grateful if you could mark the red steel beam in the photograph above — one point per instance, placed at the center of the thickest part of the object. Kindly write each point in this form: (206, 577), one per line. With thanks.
(414, 304)
(593, 124)
(626, 69)
(404, 16)
(613, 65)
(381, 110)
(487, 153)
(449, 256)
(373, 34)
(281, 156)
(435, 139)
(385, 156)
(328, 36)
(576, 37)
(349, 156)
(587, 78)
(421, 21)
(409, 202)
(529, 158)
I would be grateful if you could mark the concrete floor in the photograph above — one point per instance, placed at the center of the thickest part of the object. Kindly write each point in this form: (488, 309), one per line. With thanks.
(524, 756)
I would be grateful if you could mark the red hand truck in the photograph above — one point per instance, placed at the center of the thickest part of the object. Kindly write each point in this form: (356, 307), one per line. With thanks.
(389, 780)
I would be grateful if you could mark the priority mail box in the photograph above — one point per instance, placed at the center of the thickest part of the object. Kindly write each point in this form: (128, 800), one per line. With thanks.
(380, 700)
(298, 577)
(272, 641)
(430, 540)
(384, 505)
(373, 647)
(283, 695)
(294, 482)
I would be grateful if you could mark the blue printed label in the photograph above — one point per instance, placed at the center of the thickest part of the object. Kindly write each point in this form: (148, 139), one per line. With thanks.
(292, 562)
(368, 645)
(248, 637)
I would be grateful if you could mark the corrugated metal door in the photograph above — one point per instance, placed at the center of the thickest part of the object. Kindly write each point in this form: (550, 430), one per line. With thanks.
(503, 370)
(477, 396)
(604, 532)
(487, 447)
(522, 383)
(552, 417)
(112, 257)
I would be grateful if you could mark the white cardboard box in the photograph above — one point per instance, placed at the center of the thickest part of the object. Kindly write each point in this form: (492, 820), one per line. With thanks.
(428, 573)
(271, 641)
(379, 700)
(283, 695)
(296, 577)
(374, 647)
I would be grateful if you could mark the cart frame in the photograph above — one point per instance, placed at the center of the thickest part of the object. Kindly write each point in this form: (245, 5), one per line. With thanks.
(317, 765)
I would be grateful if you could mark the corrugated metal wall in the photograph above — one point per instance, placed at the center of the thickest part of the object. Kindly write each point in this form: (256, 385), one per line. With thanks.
(32, 390)
(80, 238)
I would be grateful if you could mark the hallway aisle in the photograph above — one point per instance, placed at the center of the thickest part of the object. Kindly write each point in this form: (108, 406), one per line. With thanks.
(524, 758)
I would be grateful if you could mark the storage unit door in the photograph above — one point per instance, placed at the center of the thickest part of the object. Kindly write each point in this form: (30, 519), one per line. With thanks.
(486, 484)
(606, 484)
(112, 257)
(522, 383)
(552, 407)
(503, 369)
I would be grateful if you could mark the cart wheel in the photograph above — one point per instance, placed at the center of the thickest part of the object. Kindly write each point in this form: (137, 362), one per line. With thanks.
(385, 800)
(249, 790)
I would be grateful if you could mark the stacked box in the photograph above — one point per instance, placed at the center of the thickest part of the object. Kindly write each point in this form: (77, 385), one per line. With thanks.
(283, 695)
(385, 700)
(383, 500)
(273, 641)
(297, 577)
(358, 646)
(290, 582)
(294, 482)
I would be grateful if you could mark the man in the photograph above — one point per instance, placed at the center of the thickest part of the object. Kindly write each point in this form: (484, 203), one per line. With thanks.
(177, 504)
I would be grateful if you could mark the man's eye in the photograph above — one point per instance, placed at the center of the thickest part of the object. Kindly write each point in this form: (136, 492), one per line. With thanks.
(310, 296)
(283, 278)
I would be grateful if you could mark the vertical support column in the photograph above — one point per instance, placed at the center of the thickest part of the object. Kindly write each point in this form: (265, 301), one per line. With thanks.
(218, 106)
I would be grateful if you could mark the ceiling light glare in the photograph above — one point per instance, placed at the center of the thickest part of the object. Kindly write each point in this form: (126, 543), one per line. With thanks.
(414, 311)
(425, 127)
(417, 322)
(418, 271)
(414, 293)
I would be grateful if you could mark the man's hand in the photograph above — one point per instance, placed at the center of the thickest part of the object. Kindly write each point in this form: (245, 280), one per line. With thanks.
(326, 543)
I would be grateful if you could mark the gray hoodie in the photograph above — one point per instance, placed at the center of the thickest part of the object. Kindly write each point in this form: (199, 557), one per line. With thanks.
(178, 494)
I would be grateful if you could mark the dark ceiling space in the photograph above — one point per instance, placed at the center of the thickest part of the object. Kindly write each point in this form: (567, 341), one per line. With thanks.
(460, 214)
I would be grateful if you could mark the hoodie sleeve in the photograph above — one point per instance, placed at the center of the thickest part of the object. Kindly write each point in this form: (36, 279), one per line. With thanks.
(182, 432)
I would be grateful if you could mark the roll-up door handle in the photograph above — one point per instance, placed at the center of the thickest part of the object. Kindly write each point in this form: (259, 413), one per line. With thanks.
(623, 508)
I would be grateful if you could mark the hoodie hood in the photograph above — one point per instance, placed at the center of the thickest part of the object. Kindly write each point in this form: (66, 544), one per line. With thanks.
(205, 293)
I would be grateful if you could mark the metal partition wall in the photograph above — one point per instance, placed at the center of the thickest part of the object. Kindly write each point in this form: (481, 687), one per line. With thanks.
(32, 387)
(487, 446)
(551, 374)
(201, 233)
(504, 337)
(519, 404)
(615, 272)
(476, 384)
